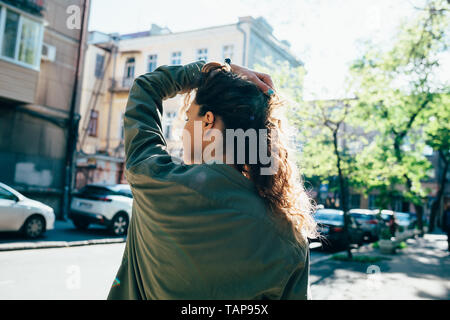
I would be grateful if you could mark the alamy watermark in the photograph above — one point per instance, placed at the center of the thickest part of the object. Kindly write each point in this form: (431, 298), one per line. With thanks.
(73, 281)
(73, 21)
(235, 147)
(373, 277)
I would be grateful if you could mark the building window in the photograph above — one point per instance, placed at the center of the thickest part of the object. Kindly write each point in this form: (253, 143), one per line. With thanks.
(128, 78)
(20, 38)
(227, 52)
(176, 58)
(373, 201)
(355, 201)
(202, 54)
(93, 123)
(168, 124)
(168, 131)
(129, 68)
(121, 133)
(152, 62)
(99, 62)
(10, 34)
(29, 41)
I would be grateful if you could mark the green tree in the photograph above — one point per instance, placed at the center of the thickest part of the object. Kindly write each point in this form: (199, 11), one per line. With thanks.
(395, 88)
(321, 134)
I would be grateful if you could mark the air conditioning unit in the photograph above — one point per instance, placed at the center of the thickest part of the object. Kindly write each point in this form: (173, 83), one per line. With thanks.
(48, 52)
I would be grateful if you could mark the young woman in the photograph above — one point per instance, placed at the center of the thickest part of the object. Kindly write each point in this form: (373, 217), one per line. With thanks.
(204, 228)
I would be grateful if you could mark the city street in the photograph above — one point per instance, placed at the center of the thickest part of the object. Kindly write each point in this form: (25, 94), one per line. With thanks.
(106, 126)
(421, 271)
(85, 272)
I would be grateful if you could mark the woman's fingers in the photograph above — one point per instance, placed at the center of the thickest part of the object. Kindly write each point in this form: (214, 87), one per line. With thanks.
(262, 80)
(265, 87)
(264, 77)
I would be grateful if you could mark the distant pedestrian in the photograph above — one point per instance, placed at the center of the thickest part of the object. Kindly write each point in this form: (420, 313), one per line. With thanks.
(392, 225)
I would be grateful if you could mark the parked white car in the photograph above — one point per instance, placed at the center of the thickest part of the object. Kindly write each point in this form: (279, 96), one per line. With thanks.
(19, 213)
(107, 205)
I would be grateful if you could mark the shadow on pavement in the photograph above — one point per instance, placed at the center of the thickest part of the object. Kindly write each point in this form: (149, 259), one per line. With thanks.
(64, 231)
(424, 265)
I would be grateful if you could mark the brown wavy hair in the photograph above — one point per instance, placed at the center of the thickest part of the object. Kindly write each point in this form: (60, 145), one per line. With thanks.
(242, 105)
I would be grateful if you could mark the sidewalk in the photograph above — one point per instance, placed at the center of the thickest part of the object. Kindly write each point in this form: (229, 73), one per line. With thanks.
(419, 271)
(64, 235)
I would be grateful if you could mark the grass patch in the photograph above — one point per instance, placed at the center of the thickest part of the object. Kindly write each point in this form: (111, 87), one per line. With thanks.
(402, 245)
(361, 259)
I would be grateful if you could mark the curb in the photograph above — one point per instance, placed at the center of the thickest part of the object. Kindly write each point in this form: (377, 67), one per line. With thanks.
(56, 244)
(329, 256)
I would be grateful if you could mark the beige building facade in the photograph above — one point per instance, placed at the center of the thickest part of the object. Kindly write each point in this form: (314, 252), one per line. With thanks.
(124, 57)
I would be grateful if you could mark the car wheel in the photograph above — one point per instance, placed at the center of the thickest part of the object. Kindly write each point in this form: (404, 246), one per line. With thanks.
(119, 224)
(80, 224)
(34, 227)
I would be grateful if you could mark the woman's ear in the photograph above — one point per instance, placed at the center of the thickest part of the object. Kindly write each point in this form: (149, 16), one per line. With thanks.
(208, 120)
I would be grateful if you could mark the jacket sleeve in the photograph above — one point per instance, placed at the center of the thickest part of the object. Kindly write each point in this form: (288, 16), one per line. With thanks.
(144, 140)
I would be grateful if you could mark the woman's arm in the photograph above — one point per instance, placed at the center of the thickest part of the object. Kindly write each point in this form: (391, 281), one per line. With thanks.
(144, 139)
(142, 120)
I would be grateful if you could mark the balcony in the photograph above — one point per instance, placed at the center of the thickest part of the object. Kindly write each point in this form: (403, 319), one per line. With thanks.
(121, 85)
(36, 7)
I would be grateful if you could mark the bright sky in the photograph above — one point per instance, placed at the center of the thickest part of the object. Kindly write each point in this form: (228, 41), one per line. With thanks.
(323, 33)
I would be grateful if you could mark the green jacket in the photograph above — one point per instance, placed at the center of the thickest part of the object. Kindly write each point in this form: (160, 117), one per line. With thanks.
(197, 231)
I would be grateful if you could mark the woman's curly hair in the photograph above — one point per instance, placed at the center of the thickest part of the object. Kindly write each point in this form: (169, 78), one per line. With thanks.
(242, 105)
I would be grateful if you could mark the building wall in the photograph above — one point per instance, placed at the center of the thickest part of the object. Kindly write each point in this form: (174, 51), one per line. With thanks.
(17, 83)
(33, 149)
(93, 88)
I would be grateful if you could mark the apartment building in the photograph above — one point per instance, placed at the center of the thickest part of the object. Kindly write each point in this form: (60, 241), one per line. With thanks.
(38, 63)
(113, 61)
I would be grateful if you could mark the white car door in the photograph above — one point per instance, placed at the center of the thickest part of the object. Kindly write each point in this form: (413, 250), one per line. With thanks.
(11, 213)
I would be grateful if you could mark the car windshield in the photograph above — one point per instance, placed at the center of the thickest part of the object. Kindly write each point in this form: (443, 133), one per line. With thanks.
(96, 190)
(402, 216)
(363, 216)
(12, 191)
(122, 189)
(106, 190)
(328, 216)
(126, 192)
(386, 216)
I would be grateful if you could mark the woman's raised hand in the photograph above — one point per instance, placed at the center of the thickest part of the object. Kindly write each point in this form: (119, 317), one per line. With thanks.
(262, 80)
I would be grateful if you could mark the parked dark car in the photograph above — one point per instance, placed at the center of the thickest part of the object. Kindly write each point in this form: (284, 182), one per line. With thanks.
(405, 220)
(331, 227)
(368, 222)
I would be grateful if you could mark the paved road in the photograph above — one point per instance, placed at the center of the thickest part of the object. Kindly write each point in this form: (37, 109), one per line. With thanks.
(62, 273)
(83, 272)
(420, 271)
